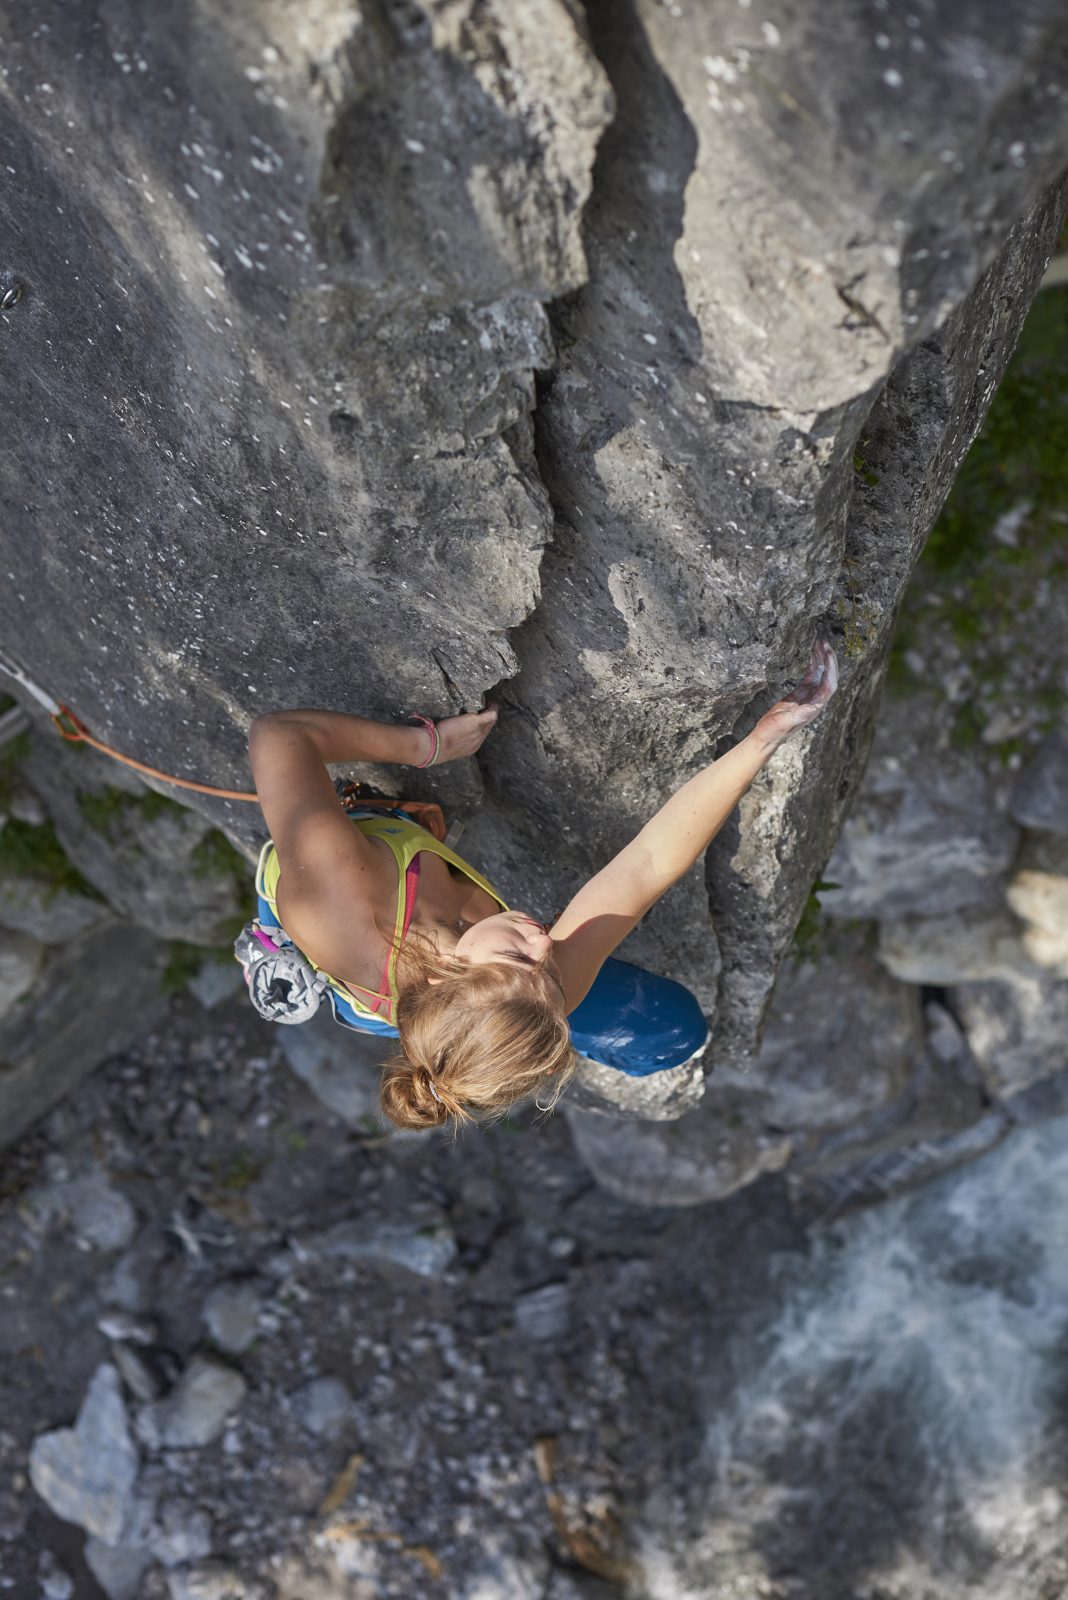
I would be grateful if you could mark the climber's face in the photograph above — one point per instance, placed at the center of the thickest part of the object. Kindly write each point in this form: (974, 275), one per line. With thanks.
(510, 937)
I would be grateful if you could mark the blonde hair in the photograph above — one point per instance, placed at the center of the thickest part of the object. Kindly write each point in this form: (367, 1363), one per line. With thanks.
(484, 1038)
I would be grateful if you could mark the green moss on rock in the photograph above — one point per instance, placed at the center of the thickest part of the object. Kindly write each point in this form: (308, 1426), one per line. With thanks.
(808, 937)
(106, 809)
(12, 755)
(215, 857)
(987, 584)
(1019, 453)
(33, 851)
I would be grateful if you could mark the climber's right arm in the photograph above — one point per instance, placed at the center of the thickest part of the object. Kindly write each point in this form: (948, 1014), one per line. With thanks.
(339, 736)
(323, 858)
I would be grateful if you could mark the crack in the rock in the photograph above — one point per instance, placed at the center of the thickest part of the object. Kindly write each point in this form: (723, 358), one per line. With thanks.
(728, 403)
(590, 330)
(452, 689)
(845, 293)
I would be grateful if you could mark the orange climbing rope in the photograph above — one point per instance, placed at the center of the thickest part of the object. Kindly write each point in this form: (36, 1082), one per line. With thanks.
(426, 812)
(77, 733)
(73, 729)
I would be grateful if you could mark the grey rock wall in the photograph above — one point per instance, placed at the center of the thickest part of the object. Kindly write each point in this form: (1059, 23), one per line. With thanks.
(157, 863)
(284, 285)
(378, 357)
(94, 998)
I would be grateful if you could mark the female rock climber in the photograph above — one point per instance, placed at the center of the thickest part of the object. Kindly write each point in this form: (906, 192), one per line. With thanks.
(415, 942)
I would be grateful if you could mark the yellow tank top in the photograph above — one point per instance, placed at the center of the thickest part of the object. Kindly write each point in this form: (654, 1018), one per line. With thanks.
(406, 840)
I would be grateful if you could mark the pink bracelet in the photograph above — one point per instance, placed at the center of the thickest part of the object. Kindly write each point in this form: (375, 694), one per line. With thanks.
(435, 740)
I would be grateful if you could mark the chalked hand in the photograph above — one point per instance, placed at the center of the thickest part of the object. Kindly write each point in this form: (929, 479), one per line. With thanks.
(803, 704)
(463, 735)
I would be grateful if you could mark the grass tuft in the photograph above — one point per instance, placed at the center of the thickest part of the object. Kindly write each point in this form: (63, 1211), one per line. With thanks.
(810, 934)
(33, 851)
(108, 810)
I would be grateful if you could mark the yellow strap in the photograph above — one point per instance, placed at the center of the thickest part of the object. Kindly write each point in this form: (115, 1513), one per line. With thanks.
(405, 839)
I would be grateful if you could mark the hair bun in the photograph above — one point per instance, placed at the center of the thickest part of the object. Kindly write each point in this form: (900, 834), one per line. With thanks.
(410, 1097)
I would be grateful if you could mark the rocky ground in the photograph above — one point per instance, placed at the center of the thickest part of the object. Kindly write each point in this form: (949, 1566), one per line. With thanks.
(256, 1348)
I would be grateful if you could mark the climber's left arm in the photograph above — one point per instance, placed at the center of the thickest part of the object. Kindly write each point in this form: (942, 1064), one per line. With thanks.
(610, 906)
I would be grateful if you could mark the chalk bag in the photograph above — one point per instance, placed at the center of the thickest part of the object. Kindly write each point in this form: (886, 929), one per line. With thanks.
(282, 984)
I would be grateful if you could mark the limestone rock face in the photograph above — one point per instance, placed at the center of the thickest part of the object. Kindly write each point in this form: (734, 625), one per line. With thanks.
(1018, 1029)
(842, 1039)
(1040, 794)
(87, 1473)
(287, 331)
(378, 356)
(20, 962)
(1038, 893)
(155, 862)
(763, 226)
(339, 1067)
(925, 835)
(41, 912)
(964, 946)
(661, 1097)
(94, 999)
(706, 1154)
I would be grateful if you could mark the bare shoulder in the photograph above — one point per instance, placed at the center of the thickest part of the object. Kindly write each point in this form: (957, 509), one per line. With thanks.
(582, 953)
(321, 855)
(338, 928)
